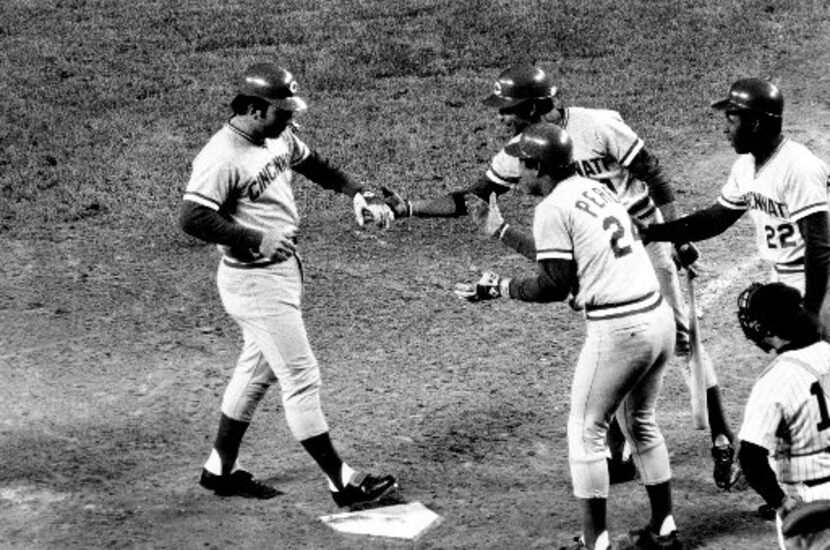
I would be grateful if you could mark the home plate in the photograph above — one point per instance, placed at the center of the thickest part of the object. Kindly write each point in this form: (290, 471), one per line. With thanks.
(401, 521)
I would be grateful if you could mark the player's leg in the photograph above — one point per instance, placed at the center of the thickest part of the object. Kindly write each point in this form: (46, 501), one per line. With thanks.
(276, 324)
(637, 416)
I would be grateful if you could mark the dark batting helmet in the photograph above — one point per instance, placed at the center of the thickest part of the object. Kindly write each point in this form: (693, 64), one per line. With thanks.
(273, 84)
(754, 95)
(544, 142)
(775, 309)
(518, 84)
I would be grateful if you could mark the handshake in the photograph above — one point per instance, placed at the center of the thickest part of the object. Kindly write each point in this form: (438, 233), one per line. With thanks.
(371, 209)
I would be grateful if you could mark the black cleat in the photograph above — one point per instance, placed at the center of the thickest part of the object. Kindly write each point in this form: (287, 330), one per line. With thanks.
(646, 539)
(238, 484)
(726, 473)
(364, 489)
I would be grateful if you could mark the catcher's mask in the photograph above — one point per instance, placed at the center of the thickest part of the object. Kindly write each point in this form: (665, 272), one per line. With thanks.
(773, 309)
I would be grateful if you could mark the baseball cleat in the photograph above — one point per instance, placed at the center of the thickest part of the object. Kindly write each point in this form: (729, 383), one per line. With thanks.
(646, 539)
(364, 489)
(621, 470)
(238, 484)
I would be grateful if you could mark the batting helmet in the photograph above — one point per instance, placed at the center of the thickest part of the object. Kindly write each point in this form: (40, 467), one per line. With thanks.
(273, 84)
(518, 84)
(544, 142)
(755, 95)
(774, 309)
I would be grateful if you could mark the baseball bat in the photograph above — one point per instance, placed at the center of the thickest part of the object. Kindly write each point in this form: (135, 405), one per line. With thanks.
(697, 360)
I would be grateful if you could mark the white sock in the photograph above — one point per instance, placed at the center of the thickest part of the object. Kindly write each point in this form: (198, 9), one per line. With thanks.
(346, 474)
(602, 542)
(668, 526)
(214, 464)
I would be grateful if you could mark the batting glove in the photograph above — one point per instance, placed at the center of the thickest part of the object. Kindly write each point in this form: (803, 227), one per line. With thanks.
(369, 208)
(401, 207)
(685, 255)
(487, 215)
(488, 287)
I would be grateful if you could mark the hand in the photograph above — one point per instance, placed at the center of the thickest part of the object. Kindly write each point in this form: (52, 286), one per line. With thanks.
(685, 255)
(369, 208)
(640, 229)
(401, 207)
(488, 287)
(279, 244)
(486, 215)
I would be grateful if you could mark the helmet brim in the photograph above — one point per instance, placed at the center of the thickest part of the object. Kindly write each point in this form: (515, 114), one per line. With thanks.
(501, 102)
(724, 104)
(729, 104)
(514, 149)
(292, 103)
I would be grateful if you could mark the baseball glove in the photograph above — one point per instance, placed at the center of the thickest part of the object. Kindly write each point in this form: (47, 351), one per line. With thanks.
(488, 287)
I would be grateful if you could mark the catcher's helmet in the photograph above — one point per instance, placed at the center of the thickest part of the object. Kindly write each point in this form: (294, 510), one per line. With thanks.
(518, 84)
(774, 309)
(755, 95)
(273, 84)
(544, 142)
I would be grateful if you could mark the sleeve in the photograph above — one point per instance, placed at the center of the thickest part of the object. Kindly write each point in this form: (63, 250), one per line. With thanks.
(763, 412)
(550, 234)
(731, 196)
(504, 169)
(211, 183)
(299, 150)
(553, 283)
(806, 189)
(620, 140)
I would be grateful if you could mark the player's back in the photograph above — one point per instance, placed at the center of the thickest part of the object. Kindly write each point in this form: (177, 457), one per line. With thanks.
(583, 220)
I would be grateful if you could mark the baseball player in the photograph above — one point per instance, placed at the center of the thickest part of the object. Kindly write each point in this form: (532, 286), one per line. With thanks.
(240, 197)
(788, 411)
(607, 150)
(587, 247)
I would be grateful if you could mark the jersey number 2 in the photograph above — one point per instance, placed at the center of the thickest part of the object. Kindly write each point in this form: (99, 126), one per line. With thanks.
(618, 236)
(818, 391)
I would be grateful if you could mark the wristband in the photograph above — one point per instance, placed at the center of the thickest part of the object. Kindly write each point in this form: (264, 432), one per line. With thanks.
(502, 230)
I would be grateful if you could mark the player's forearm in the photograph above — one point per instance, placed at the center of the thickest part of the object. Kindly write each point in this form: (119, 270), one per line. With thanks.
(698, 226)
(646, 168)
(756, 468)
(451, 205)
(325, 174)
(552, 283)
(816, 259)
(210, 226)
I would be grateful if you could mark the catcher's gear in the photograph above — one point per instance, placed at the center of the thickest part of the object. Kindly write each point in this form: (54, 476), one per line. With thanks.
(488, 287)
(773, 309)
(805, 525)
(545, 144)
(754, 95)
(369, 208)
(518, 84)
(486, 215)
(273, 84)
(401, 207)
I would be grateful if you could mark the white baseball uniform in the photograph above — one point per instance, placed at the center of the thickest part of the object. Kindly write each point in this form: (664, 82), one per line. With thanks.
(629, 331)
(788, 413)
(789, 186)
(603, 148)
(250, 182)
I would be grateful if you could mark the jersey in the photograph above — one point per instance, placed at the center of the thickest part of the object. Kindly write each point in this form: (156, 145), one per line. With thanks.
(789, 186)
(787, 413)
(584, 221)
(603, 148)
(248, 181)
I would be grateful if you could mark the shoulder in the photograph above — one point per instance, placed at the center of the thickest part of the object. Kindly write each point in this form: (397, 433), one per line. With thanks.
(800, 156)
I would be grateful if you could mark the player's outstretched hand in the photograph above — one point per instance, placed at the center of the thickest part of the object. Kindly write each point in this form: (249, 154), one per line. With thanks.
(488, 287)
(401, 207)
(369, 208)
(278, 244)
(486, 214)
(685, 255)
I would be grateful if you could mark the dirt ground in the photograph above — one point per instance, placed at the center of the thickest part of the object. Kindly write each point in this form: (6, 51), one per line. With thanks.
(115, 352)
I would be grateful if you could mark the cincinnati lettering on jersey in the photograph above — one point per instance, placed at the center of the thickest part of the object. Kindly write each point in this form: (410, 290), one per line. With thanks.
(756, 201)
(595, 199)
(267, 175)
(591, 168)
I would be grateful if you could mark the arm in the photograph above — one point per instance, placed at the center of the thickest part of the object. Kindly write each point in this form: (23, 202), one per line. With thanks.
(814, 229)
(755, 465)
(450, 205)
(646, 168)
(552, 283)
(209, 225)
(698, 226)
(322, 172)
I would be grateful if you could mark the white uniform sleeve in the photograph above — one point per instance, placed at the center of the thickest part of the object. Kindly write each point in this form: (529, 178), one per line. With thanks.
(550, 233)
(212, 181)
(621, 142)
(504, 169)
(806, 190)
(763, 412)
(730, 194)
(299, 151)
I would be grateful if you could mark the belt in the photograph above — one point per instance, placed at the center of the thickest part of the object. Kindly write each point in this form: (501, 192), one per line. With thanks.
(250, 265)
(810, 482)
(642, 304)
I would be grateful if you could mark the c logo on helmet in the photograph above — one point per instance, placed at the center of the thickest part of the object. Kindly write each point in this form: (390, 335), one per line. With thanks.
(497, 88)
(293, 86)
